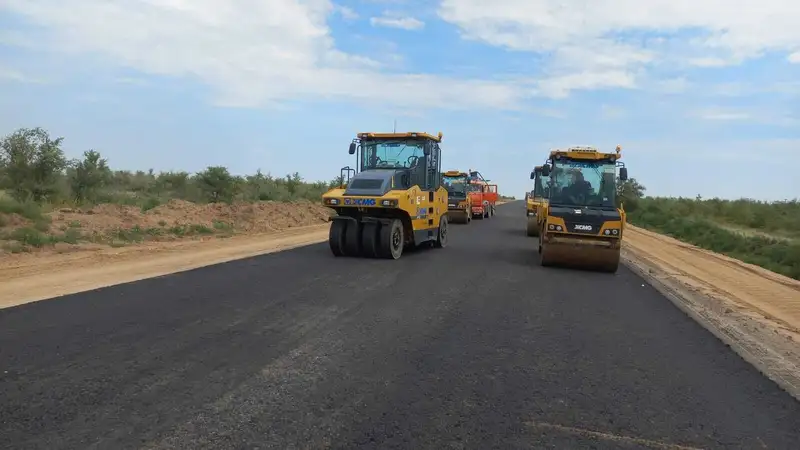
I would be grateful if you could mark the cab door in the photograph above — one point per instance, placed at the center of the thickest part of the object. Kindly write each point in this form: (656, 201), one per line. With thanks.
(429, 203)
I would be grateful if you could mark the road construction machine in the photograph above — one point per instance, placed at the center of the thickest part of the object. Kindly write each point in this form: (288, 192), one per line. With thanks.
(459, 204)
(393, 200)
(580, 224)
(537, 196)
(484, 196)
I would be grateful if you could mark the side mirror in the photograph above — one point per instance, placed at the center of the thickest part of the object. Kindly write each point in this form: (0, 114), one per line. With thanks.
(546, 170)
(352, 150)
(623, 174)
(533, 175)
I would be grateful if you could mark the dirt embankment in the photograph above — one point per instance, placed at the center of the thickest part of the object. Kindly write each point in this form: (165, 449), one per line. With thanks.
(757, 312)
(97, 227)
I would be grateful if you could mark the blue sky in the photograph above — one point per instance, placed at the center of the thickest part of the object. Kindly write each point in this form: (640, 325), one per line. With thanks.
(699, 94)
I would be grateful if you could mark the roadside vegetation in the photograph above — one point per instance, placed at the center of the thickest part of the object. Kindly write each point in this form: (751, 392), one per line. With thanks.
(766, 234)
(47, 199)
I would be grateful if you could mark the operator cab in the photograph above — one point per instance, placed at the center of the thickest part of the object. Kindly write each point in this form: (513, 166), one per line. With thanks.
(456, 184)
(389, 161)
(582, 177)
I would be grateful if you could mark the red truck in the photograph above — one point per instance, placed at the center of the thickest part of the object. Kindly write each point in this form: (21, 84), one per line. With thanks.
(484, 196)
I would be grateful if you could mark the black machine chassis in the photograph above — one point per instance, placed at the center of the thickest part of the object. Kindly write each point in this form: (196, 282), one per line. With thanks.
(594, 217)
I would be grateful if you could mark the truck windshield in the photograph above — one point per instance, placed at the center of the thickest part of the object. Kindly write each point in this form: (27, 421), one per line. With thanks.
(455, 185)
(475, 187)
(392, 153)
(583, 183)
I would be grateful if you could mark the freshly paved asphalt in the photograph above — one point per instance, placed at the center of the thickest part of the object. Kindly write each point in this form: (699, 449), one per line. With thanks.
(472, 346)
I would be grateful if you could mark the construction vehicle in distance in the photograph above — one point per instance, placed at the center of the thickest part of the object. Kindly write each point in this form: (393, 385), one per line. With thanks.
(484, 196)
(537, 196)
(394, 199)
(459, 204)
(580, 224)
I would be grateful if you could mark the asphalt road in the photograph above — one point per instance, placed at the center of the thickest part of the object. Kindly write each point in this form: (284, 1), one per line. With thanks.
(472, 346)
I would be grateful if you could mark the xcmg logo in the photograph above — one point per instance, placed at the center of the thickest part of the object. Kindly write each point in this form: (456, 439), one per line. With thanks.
(360, 201)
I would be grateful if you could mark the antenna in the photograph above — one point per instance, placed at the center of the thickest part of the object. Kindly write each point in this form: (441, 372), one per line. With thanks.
(395, 126)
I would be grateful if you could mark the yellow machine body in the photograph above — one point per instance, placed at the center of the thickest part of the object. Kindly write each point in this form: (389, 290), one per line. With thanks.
(394, 200)
(583, 231)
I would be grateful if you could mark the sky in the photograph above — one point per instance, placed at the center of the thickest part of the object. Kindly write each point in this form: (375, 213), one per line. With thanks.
(702, 95)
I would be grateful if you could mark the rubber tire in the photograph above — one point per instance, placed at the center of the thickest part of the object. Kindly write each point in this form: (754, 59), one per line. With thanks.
(386, 249)
(336, 237)
(442, 235)
(370, 239)
(352, 240)
(478, 216)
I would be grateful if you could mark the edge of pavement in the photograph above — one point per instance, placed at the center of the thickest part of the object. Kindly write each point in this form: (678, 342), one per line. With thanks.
(48, 278)
(62, 275)
(725, 324)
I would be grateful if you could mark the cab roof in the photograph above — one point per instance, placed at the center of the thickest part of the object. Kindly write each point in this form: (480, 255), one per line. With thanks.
(455, 173)
(406, 135)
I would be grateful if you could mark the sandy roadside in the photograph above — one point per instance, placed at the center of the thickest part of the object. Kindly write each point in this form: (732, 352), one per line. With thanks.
(31, 278)
(755, 311)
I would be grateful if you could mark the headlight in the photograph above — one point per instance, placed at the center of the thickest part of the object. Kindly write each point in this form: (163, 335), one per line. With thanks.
(611, 231)
(390, 203)
(558, 228)
(331, 201)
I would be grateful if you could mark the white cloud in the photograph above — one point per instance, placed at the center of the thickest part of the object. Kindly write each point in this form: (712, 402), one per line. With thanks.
(8, 74)
(346, 13)
(623, 36)
(719, 114)
(672, 85)
(794, 58)
(11, 74)
(253, 52)
(392, 21)
(752, 115)
(561, 86)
